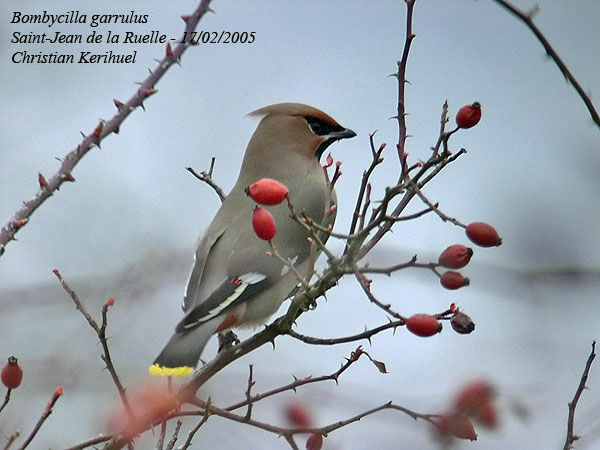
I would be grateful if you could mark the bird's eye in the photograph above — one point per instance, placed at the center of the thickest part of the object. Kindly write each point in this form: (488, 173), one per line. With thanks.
(316, 125)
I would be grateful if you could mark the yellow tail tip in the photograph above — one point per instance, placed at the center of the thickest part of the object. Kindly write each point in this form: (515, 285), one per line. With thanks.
(161, 371)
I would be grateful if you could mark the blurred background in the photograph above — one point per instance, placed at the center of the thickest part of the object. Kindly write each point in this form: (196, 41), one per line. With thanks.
(127, 227)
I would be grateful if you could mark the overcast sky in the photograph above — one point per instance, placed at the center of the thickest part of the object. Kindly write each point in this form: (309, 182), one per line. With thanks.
(531, 170)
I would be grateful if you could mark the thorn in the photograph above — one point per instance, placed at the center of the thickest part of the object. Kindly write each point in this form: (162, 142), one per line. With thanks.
(68, 177)
(149, 69)
(138, 83)
(118, 103)
(533, 11)
(98, 131)
(20, 223)
(149, 92)
(42, 181)
(82, 134)
(143, 107)
(186, 18)
(169, 50)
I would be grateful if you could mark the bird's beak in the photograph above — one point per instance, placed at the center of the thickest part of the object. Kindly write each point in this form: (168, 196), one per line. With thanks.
(346, 133)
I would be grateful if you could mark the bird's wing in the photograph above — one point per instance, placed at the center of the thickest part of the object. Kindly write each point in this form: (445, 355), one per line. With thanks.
(209, 240)
(228, 295)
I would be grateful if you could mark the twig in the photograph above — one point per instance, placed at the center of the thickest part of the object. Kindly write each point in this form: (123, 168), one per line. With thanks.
(367, 334)
(101, 333)
(12, 438)
(47, 411)
(289, 264)
(573, 404)
(434, 208)
(366, 205)
(528, 20)
(364, 184)
(325, 430)
(161, 436)
(401, 77)
(249, 399)
(396, 267)
(194, 430)
(365, 287)
(296, 384)
(6, 399)
(91, 442)
(173, 440)
(207, 178)
(104, 128)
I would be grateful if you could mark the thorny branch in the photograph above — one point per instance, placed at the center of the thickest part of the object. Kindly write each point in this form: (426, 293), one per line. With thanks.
(571, 437)
(47, 187)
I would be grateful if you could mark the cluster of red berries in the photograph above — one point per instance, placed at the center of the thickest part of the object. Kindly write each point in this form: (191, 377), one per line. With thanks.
(456, 256)
(266, 192)
(299, 415)
(473, 402)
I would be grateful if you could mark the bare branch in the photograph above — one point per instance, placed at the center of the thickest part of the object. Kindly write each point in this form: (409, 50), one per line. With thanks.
(364, 284)
(367, 334)
(573, 404)
(297, 383)
(435, 209)
(173, 440)
(208, 179)
(527, 18)
(101, 333)
(6, 399)
(12, 438)
(47, 411)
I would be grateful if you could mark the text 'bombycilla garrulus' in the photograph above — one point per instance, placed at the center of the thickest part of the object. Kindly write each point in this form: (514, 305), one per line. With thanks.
(234, 281)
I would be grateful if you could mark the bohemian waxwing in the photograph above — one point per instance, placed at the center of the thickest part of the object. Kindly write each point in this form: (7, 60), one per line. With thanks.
(234, 281)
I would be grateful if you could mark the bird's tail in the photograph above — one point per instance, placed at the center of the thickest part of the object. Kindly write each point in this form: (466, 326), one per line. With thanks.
(182, 353)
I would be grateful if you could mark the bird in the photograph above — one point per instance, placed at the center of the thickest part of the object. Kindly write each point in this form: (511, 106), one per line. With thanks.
(235, 281)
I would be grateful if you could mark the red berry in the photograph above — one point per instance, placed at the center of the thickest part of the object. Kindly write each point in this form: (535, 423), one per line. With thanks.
(110, 302)
(472, 396)
(488, 416)
(457, 425)
(453, 280)
(267, 192)
(423, 325)
(483, 234)
(455, 256)
(12, 374)
(314, 442)
(298, 414)
(468, 116)
(263, 224)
